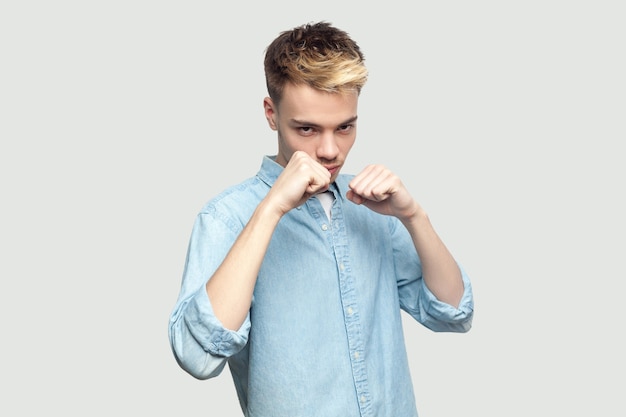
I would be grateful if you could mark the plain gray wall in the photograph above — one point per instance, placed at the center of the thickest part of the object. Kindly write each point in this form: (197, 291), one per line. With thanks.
(119, 119)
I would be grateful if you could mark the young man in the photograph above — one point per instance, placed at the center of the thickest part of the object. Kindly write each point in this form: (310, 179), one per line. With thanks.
(297, 277)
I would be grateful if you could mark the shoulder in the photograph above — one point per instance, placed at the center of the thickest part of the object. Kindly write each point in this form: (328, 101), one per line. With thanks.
(237, 202)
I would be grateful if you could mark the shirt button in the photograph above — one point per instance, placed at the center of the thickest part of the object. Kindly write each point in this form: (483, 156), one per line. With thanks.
(324, 226)
(356, 355)
(350, 311)
(341, 267)
(362, 398)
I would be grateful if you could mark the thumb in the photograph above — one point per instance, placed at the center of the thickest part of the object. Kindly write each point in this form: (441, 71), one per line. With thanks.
(354, 197)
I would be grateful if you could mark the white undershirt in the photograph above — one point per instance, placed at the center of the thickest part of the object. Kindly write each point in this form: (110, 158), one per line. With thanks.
(326, 198)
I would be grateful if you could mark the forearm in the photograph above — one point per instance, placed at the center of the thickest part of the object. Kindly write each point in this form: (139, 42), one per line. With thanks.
(231, 287)
(439, 269)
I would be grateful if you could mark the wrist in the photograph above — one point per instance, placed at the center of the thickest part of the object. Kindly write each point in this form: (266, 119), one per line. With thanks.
(417, 219)
(269, 212)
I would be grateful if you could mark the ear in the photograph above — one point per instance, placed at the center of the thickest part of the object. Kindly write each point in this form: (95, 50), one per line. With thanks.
(270, 112)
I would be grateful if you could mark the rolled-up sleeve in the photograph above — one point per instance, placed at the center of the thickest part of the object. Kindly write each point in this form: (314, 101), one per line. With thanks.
(416, 298)
(199, 341)
(443, 317)
(201, 344)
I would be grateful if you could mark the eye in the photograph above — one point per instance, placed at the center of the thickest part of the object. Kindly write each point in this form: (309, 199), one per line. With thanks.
(306, 130)
(345, 128)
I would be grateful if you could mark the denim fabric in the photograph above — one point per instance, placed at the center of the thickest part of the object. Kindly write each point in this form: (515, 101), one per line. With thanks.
(324, 334)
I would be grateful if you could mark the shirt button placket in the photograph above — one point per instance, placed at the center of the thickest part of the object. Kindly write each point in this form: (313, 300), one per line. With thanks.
(351, 313)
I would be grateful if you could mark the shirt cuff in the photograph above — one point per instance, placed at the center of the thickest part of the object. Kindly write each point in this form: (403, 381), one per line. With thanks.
(210, 332)
(444, 312)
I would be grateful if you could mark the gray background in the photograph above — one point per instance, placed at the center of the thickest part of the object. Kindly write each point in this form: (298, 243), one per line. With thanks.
(119, 119)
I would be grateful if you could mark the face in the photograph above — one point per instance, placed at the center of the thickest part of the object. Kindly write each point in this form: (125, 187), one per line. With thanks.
(321, 124)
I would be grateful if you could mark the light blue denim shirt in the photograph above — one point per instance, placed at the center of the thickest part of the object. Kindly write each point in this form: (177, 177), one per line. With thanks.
(324, 334)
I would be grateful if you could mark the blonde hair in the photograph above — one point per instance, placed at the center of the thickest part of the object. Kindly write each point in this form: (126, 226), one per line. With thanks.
(315, 54)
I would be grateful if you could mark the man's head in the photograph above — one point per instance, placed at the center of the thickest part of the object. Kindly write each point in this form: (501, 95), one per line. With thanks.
(314, 76)
(318, 55)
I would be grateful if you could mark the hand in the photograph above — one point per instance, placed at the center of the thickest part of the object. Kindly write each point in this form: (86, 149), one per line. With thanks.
(380, 190)
(302, 178)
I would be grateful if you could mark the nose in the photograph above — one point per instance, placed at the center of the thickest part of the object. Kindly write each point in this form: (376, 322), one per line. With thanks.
(327, 148)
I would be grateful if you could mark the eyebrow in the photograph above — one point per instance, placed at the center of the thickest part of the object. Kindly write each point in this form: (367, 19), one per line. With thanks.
(305, 123)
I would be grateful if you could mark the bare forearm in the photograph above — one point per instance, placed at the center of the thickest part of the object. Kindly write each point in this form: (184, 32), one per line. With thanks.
(231, 287)
(440, 271)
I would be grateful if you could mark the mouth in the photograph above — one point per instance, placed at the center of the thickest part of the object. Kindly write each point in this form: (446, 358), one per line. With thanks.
(333, 169)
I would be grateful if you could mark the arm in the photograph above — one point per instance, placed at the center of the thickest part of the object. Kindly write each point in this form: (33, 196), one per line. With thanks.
(210, 322)
(382, 191)
(231, 287)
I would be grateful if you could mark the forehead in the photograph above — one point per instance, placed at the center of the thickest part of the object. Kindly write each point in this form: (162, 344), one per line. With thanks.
(301, 102)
